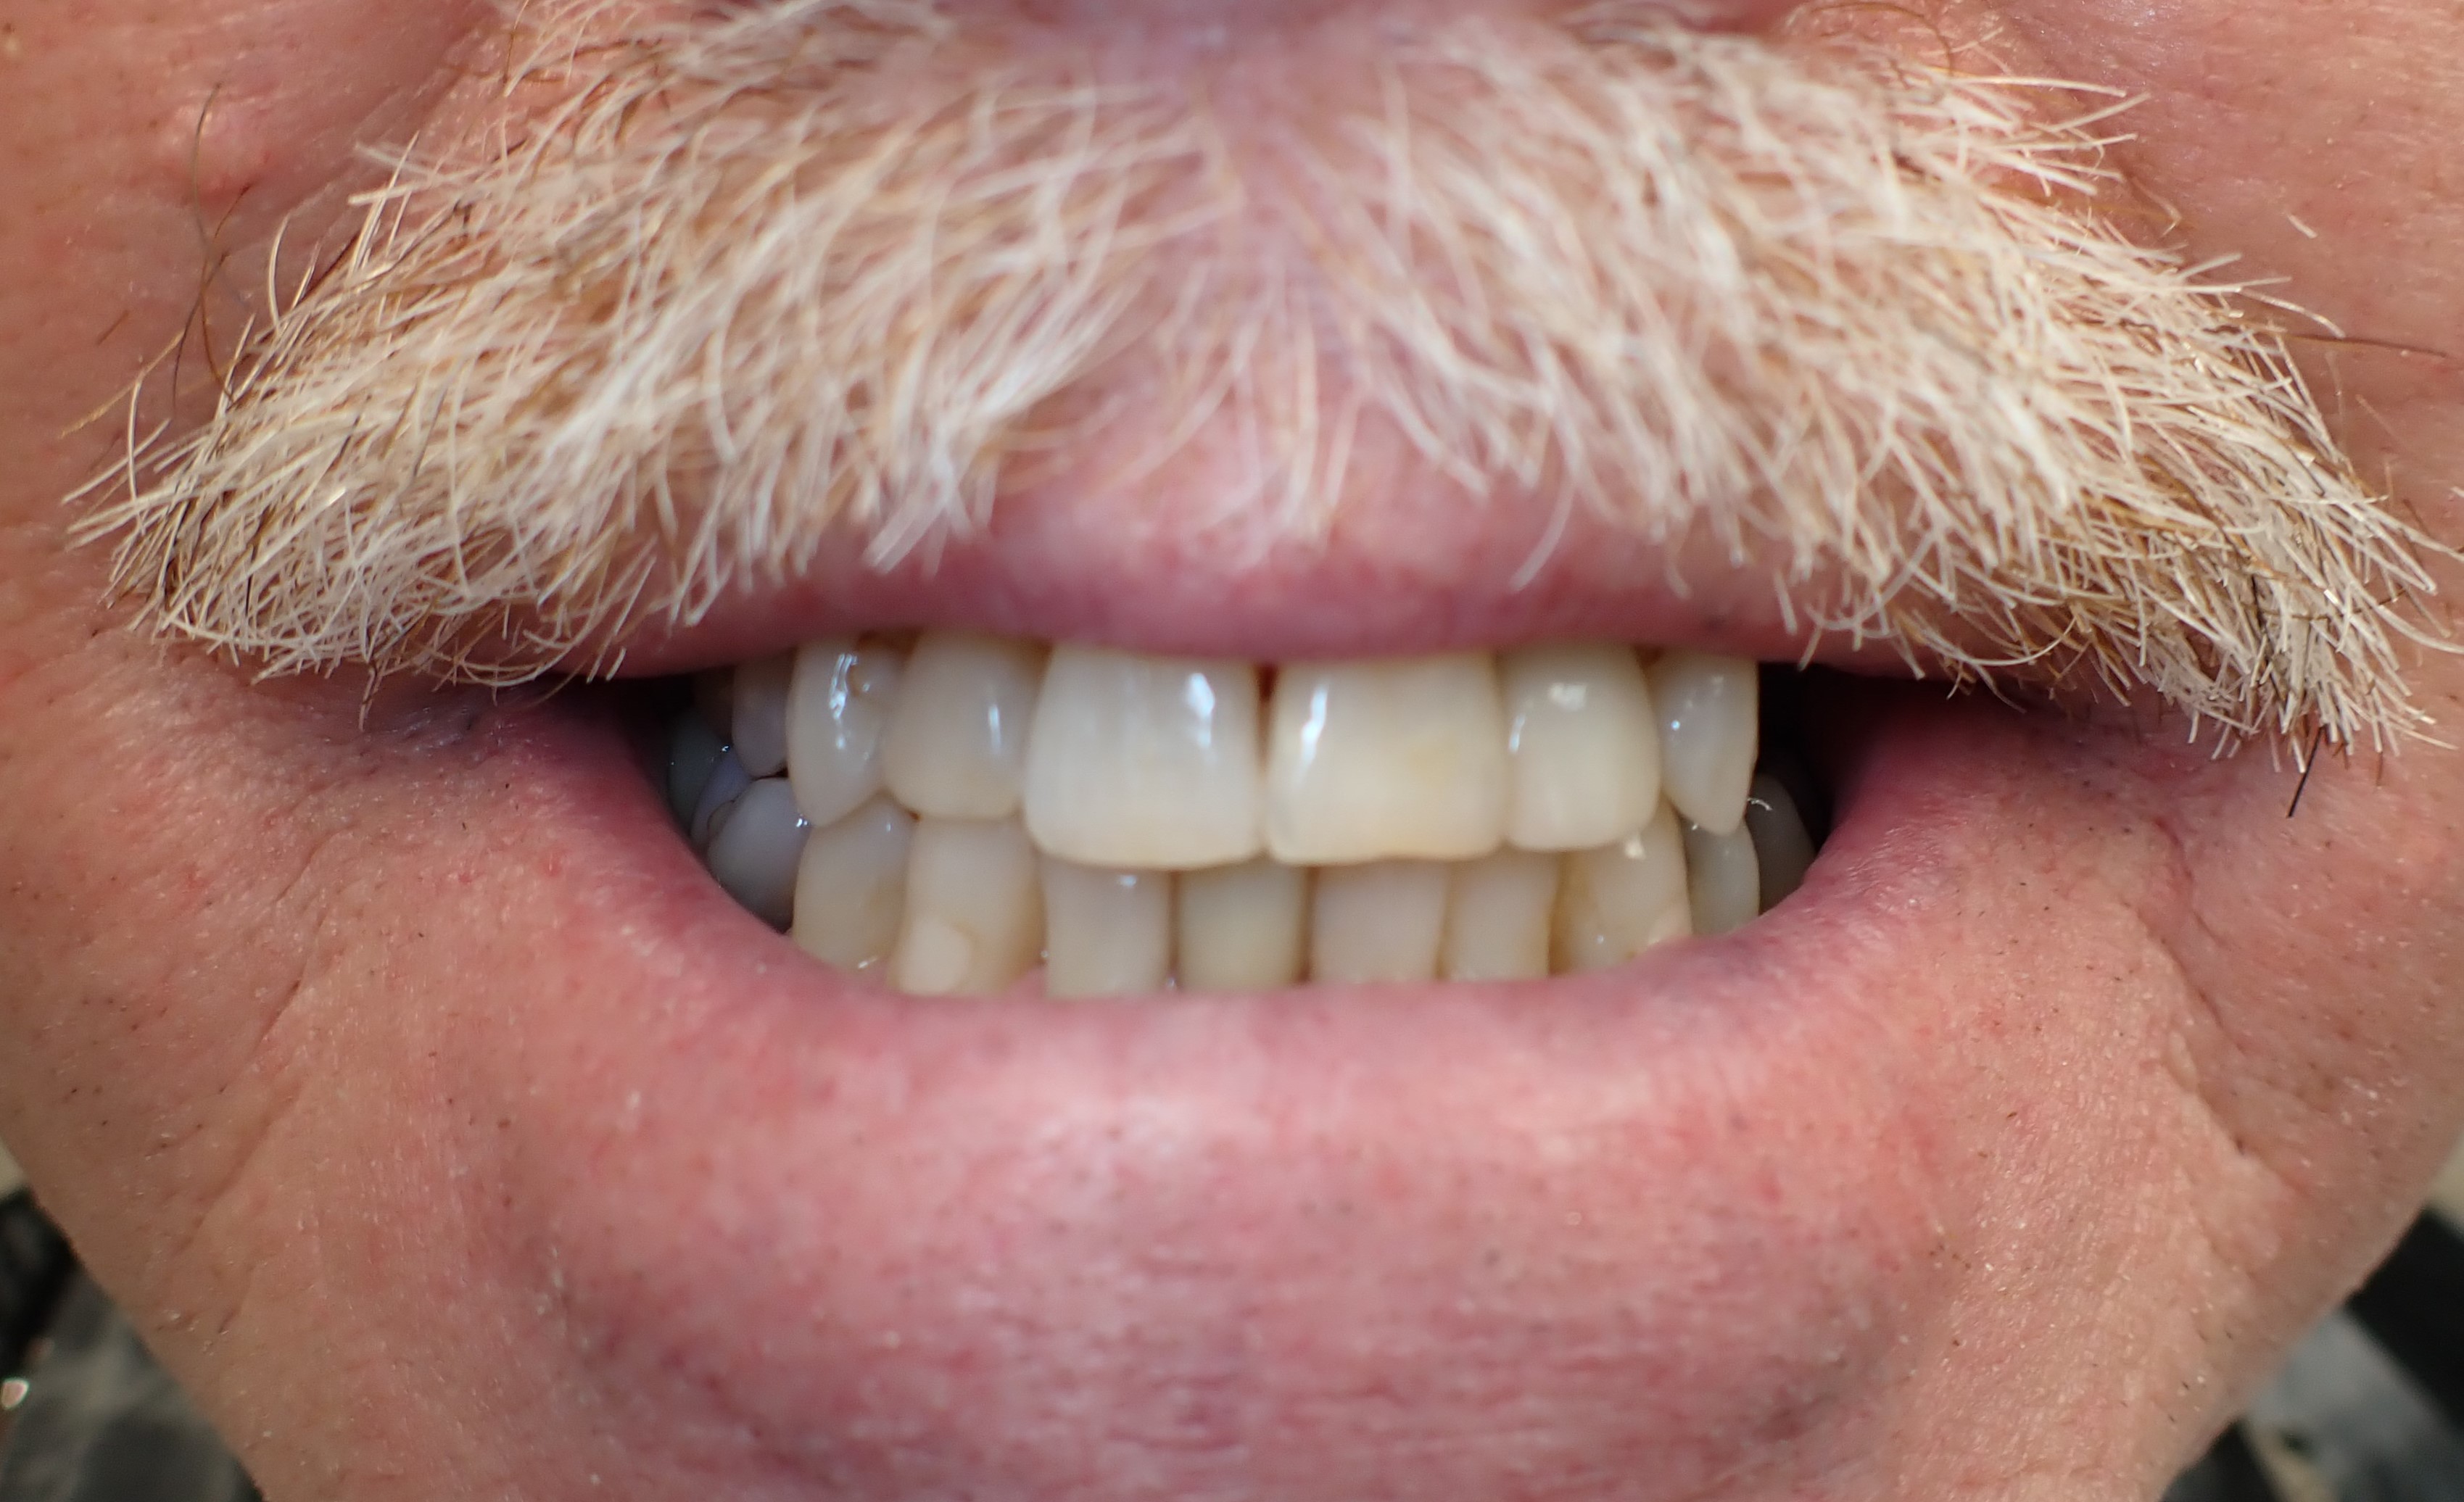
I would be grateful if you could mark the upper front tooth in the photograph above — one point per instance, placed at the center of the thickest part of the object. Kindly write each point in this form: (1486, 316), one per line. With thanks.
(760, 708)
(1145, 762)
(1709, 714)
(1373, 760)
(956, 745)
(1585, 744)
(1107, 932)
(838, 703)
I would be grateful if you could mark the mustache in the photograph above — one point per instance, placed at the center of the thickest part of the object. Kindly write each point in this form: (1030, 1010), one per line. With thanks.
(802, 270)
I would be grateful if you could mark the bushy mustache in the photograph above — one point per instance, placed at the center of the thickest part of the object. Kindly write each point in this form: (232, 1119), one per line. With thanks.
(1867, 323)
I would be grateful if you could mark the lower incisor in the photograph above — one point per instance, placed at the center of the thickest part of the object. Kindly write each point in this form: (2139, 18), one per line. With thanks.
(1379, 922)
(1107, 932)
(1620, 901)
(1496, 918)
(974, 916)
(1242, 927)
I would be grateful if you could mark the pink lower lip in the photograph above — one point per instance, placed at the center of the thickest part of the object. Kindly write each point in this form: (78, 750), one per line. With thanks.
(805, 1197)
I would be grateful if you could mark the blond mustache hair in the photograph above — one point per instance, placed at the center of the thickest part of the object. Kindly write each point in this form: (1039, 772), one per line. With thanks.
(1866, 321)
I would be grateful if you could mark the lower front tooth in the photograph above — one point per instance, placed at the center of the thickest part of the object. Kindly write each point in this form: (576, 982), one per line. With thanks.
(1723, 881)
(853, 884)
(1497, 917)
(754, 853)
(1783, 848)
(1619, 900)
(1241, 928)
(1381, 921)
(974, 916)
(1107, 932)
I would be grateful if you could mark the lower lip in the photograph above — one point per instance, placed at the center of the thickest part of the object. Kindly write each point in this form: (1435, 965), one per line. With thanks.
(817, 1210)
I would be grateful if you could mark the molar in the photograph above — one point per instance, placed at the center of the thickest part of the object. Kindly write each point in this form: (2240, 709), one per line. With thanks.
(1148, 762)
(754, 853)
(1381, 760)
(1783, 846)
(758, 709)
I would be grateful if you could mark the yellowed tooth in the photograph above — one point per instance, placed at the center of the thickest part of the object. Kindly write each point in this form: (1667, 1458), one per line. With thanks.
(851, 887)
(1372, 760)
(1145, 762)
(1498, 912)
(1722, 884)
(759, 697)
(838, 705)
(753, 852)
(1242, 927)
(1105, 932)
(974, 912)
(1381, 921)
(955, 743)
(1783, 849)
(1709, 709)
(1585, 746)
(1614, 903)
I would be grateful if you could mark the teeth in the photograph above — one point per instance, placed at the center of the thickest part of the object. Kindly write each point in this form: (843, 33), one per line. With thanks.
(1497, 917)
(1107, 932)
(1782, 847)
(760, 714)
(1619, 900)
(1722, 882)
(956, 745)
(753, 852)
(1709, 729)
(1375, 760)
(727, 781)
(851, 887)
(693, 750)
(1379, 922)
(1145, 761)
(973, 917)
(838, 703)
(1585, 744)
(1242, 928)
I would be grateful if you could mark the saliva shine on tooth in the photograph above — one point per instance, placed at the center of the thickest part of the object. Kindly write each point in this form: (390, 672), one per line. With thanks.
(956, 812)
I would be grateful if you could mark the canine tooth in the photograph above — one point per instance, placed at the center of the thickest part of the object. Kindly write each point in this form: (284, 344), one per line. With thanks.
(754, 853)
(838, 701)
(1619, 900)
(1585, 746)
(728, 780)
(1708, 724)
(1724, 884)
(1105, 932)
(760, 714)
(956, 745)
(1378, 761)
(1241, 928)
(1497, 917)
(1783, 848)
(1383, 920)
(851, 887)
(1145, 762)
(974, 916)
(693, 750)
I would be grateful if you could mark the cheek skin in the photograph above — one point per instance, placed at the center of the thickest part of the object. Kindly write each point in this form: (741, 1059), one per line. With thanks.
(278, 982)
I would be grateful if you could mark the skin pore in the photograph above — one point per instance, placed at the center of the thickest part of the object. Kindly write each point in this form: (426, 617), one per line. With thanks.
(451, 1135)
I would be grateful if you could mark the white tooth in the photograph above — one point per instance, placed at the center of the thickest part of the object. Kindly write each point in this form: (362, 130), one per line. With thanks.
(754, 853)
(974, 917)
(715, 700)
(1614, 903)
(1497, 917)
(1375, 760)
(761, 726)
(956, 745)
(1782, 847)
(1724, 884)
(1708, 711)
(727, 782)
(851, 887)
(1379, 922)
(837, 704)
(1241, 928)
(1105, 932)
(1146, 762)
(1585, 746)
(693, 750)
